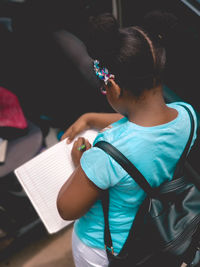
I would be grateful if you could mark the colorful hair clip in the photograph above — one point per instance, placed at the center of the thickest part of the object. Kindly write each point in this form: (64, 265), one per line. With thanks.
(102, 73)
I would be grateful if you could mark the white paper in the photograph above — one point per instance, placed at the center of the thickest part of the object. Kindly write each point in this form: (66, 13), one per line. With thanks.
(43, 176)
(3, 149)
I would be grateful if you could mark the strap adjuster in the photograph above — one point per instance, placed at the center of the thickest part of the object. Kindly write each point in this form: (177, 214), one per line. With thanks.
(110, 249)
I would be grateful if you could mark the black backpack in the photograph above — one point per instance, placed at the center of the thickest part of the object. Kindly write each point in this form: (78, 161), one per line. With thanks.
(166, 229)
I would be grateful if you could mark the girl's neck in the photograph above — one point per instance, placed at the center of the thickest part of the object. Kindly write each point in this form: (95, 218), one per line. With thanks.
(150, 109)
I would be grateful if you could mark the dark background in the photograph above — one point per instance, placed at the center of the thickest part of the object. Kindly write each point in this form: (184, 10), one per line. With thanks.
(38, 69)
(35, 66)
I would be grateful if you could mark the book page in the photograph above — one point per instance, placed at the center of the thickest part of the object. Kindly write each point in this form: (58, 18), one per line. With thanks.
(3, 150)
(43, 176)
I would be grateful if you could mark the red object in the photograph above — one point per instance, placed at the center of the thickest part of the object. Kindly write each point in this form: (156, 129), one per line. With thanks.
(11, 114)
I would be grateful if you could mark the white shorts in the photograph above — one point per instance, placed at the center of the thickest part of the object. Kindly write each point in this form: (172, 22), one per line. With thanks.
(85, 256)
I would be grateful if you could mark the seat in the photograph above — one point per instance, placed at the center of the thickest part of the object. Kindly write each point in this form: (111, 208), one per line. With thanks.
(17, 215)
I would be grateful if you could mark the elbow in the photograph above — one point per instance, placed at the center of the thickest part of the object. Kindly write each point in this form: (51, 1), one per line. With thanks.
(61, 211)
(64, 210)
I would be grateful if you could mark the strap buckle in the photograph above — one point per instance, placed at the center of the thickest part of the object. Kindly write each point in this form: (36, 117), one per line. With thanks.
(111, 249)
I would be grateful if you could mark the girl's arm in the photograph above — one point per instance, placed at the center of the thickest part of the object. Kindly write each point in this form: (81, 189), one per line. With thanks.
(88, 121)
(77, 195)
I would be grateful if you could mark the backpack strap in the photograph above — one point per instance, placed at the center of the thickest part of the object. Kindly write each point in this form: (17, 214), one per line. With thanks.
(134, 173)
(128, 166)
(107, 235)
(183, 157)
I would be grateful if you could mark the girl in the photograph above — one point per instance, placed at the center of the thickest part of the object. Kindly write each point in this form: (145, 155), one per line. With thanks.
(149, 132)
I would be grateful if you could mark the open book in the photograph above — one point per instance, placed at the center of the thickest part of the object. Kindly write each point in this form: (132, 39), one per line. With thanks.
(43, 176)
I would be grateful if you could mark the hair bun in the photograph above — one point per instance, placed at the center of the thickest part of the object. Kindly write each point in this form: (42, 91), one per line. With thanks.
(104, 24)
(160, 25)
(104, 33)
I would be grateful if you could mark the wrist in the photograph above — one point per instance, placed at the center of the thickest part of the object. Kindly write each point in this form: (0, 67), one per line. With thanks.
(88, 119)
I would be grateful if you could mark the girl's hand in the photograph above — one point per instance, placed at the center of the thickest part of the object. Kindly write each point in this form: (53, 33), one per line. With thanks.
(79, 146)
(77, 127)
(90, 121)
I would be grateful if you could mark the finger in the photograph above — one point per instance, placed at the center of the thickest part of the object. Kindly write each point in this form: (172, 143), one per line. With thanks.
(75, 145)
(87, 144)
(80, 141)
(66, 134)
(81, 144)
(69, 134)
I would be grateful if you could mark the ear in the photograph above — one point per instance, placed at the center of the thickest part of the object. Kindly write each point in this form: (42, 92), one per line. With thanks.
(115, 87)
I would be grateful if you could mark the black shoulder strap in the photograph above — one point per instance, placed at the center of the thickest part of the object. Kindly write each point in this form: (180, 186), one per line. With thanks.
(127, 165)
(134, 173)
(187, 147)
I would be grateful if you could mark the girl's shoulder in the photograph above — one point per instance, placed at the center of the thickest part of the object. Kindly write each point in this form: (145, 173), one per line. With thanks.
(180, 107)
(113, 132)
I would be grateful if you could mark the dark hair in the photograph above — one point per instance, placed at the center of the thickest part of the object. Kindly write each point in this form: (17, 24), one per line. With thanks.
(135, 55)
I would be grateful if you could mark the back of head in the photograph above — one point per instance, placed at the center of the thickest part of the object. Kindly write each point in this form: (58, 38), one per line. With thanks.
(103, 35)
(135, 55)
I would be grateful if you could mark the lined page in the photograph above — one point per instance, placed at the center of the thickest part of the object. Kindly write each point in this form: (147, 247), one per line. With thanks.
(42, 178)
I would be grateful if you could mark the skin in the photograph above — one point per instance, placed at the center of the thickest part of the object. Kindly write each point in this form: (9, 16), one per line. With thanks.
(78, 193)
(88, 121)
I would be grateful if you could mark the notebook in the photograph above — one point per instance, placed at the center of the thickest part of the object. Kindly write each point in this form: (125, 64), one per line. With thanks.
(3, 150)
(43, 176)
